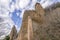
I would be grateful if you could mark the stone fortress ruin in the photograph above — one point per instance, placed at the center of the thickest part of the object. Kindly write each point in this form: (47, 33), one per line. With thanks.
(38, 25)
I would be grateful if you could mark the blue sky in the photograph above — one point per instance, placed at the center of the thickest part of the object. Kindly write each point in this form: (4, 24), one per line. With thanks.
(11, 11)
(16, 17)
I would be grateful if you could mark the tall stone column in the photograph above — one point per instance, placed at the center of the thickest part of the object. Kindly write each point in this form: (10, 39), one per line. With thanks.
(13, 33)
(30, 29)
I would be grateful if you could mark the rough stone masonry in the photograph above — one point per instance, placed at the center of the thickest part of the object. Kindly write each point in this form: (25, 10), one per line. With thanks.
(40, 24)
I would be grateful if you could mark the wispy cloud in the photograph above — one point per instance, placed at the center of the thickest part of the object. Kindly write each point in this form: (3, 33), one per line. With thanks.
(5, 25)
(5, 21)
(23, 3)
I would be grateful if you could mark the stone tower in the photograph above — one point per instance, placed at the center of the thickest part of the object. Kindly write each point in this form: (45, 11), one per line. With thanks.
(13, 33)
(27, 29)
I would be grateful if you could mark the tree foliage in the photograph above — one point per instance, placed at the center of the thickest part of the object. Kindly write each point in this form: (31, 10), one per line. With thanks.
(6, 38)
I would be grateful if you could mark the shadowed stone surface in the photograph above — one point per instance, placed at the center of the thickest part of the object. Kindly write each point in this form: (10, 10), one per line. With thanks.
(13, 34)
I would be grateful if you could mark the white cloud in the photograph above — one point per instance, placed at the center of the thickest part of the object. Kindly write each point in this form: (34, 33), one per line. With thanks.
(5, 25)
(5, 21)
(43, 1)
(4, 4)
(12, 8)
(18, 14)
(45, 4)
(31, 6)
(3, 36)
(23, 3)
(10, 15)
(21, 15)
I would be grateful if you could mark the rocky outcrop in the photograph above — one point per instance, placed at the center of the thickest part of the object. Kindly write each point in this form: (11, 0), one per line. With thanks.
(13, 33)
(39, 24)
(35, 15)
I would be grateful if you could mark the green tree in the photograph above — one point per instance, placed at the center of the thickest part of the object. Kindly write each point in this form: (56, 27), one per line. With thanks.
(6, 38)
